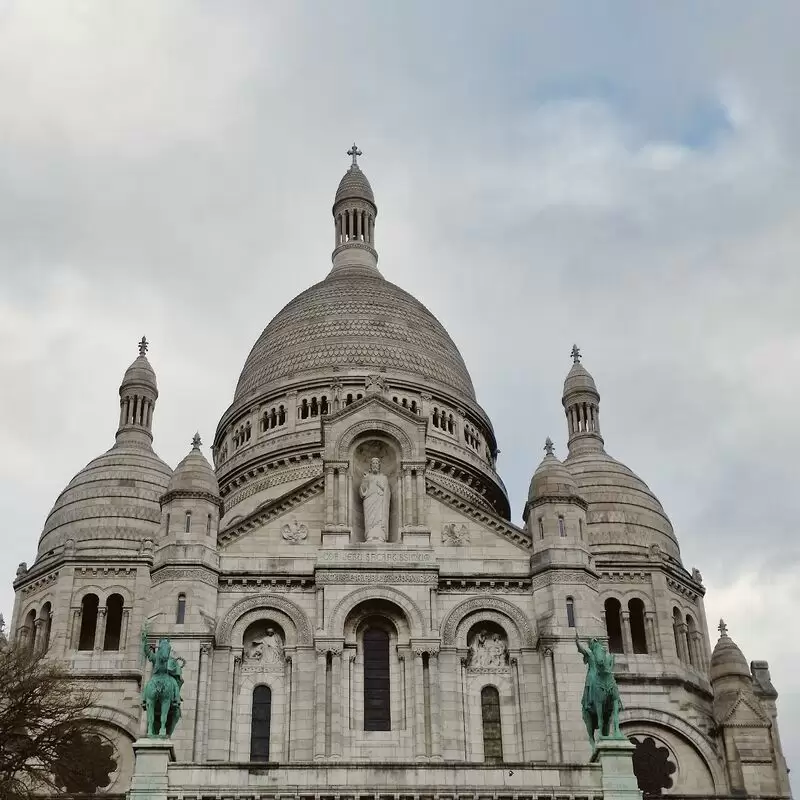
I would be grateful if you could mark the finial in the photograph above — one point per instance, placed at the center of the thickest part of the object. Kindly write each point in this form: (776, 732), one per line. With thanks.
(722, 628)
(355, 152)
(576, 354)
(143, 346)
(196, 441)
(548, 446)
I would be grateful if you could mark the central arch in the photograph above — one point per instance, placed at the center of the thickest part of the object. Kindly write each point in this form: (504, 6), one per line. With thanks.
(265, 602)
(347, 604)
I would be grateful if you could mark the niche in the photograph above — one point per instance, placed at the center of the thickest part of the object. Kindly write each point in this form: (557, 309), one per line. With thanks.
(388, 455)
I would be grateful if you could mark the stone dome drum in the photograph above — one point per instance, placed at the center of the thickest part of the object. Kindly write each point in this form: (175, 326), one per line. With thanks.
(354, 322)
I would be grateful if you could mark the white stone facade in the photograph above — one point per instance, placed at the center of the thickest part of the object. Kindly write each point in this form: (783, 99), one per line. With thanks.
(259, 573)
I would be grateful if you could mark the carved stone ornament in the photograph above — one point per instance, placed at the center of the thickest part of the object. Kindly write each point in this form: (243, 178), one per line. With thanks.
(454, 534)
(294, 532)
(264, 652)
(487, 651)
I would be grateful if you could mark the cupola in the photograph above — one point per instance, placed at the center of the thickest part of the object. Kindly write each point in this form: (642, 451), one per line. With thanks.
(728, 664)
(581, 402)
(354, 213)
(137, 399)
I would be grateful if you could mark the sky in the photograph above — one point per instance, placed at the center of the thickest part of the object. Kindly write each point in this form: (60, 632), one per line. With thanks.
(619, 175)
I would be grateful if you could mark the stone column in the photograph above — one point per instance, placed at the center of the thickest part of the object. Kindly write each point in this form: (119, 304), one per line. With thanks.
(421, 496)
(627, 639)
(329, 494)
(100, 630)
(650, 631)
(551, 705)
(408, 503)
(38, 635)
(76, 629)
(419, 708)
(123, 632)
(201, 713)
(343, 494)
(288, 691)
(437, 716)
(336, 703)
(515, 682)
(236, 672)
(320, 723)
(680, 635)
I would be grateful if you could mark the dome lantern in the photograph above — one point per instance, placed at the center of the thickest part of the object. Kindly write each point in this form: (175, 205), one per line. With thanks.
(581, 402)
(137, 399)
(354, 213)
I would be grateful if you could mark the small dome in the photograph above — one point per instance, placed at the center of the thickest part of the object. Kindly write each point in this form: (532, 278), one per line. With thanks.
(194, 475)
(354, 185)
(140, 372)
(727, 660)
(579, 380)
(552, 478)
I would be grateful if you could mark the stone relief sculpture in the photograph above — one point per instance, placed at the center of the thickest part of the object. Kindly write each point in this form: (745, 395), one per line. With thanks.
(294, 532)
(375, 497)
(454, 534)
(488, 650)
(266, 649)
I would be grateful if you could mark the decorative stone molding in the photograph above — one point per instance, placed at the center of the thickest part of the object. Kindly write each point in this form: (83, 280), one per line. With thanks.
(277, 583)
(414, 616)
(271, 510)
(265, 602)
(562, 576)
(486, 584)
(381, 578)
(682, 589)
(183, 574)
(374, 426)
(460, 488)
(191, 495)
(105, 572)
(624, 576)
(275, 479)
(462, 610)
(39, 584)
(294, 532)
(497, 524)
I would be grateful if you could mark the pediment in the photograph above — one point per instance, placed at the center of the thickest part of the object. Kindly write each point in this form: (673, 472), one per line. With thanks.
(744, 712)
(373, 414)
(300, 503)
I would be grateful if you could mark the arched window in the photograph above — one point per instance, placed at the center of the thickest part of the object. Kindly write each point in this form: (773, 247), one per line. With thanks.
(281, 415)
(314, 407)
(677, 633)
(541, 528)
(435, 417)
(323, 404)
(89, 606)
(259, 728)
(180, 616)
(570, 612)
(304, 409)
(614, 625)
(167, 524)
(691, 628)
(414, 406)
(638, 632)
(29, 630)
(562, 530)
(114, 606)
(45, 615)
(580, 527)
(492, 734)
(188, 523)
(377, 716)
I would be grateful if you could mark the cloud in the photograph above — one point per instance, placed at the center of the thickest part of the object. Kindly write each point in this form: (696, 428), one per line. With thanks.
(622, 178)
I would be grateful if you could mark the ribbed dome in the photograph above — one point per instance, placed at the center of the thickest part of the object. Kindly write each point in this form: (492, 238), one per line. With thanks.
(140, 373)
(727, 660)
(354, 322)
(354, 185)
(194, 475)
(552, 479)
(113, 502)
(579, 380)
(622, 509)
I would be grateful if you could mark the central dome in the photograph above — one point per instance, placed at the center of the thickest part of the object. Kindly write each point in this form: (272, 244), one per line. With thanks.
(354, 321)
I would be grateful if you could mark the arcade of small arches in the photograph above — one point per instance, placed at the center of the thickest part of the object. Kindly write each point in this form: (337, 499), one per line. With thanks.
(136, 410)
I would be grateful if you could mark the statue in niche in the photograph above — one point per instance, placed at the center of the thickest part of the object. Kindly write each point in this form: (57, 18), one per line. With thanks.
(488, 650)
(268, 649)
(375, 496)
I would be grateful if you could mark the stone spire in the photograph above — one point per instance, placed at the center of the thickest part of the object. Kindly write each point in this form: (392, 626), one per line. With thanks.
(137, 399)
(354, 213)
(581, 402)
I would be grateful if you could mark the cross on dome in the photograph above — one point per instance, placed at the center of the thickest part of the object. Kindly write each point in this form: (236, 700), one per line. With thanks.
(576, 354)
(196, 441)
(548, 446)
(143, 346)
(355, 153)
(722, 628)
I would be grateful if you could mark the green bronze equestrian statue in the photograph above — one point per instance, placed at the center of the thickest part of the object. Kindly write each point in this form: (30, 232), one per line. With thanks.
(162, 694)
(601, 701)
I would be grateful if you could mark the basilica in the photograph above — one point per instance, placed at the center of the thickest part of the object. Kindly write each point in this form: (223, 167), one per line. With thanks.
(355, 613)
